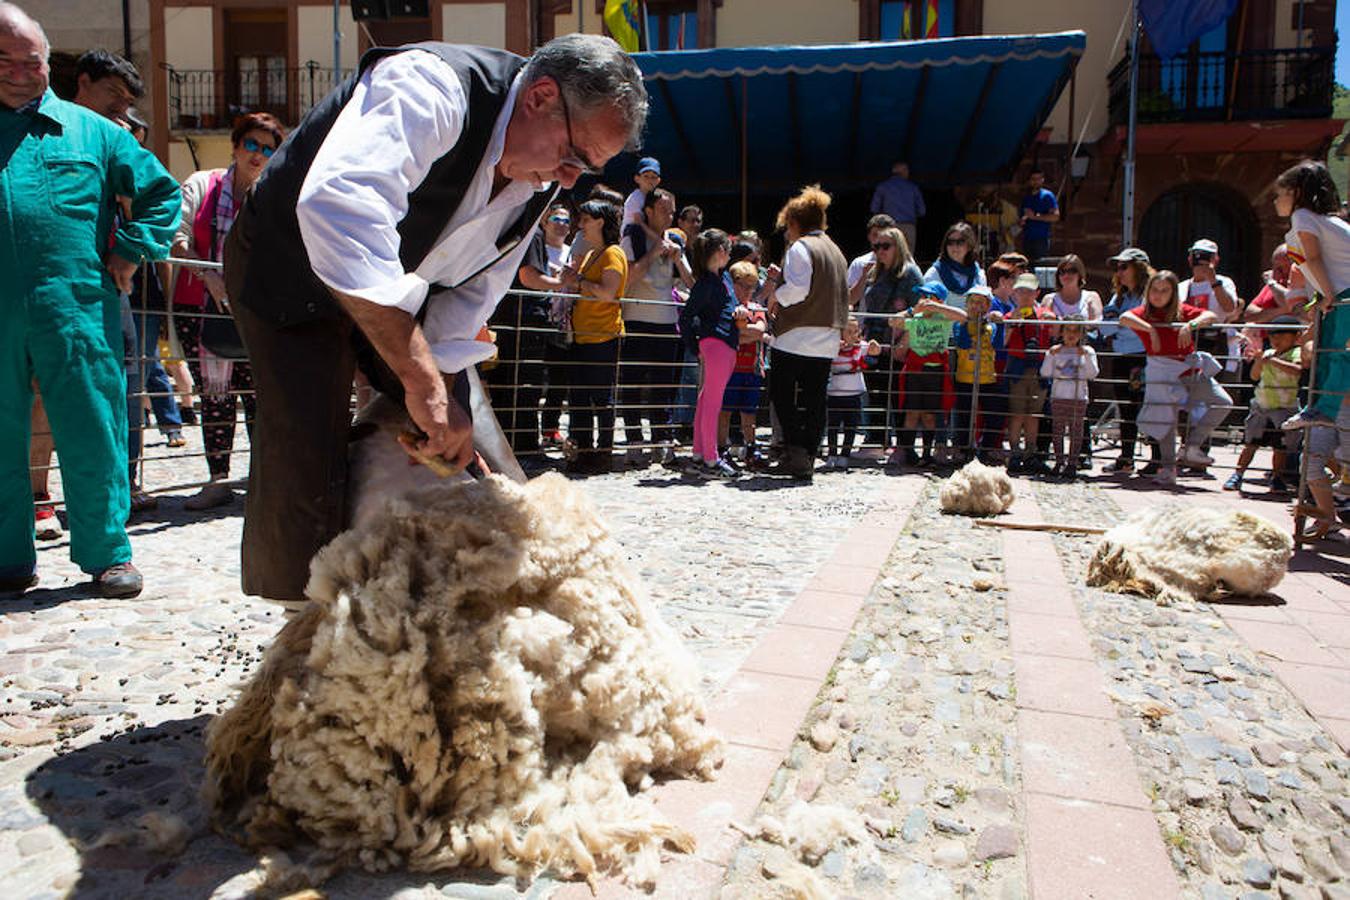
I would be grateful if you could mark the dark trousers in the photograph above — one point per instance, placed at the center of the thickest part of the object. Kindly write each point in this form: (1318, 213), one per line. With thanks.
(648, 377)
(592, 374)
(843, 415)
(880, 397)
(555, 394)
(797, 389)
(990, 410)
(1121, 370)
(516, 384)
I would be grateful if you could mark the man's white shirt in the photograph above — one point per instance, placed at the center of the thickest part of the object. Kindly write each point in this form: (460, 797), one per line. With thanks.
(406, 112)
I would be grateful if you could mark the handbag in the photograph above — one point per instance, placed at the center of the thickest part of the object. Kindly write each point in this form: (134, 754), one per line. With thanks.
(219, 333)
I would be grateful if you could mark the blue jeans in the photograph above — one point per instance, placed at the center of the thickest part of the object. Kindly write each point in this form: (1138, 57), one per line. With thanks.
(157, 382)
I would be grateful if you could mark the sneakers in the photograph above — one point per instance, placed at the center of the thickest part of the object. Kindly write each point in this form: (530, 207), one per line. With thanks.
(45, 523)
(717, 470)
(17, 583)
(119, 581)
(1070, 472)
(1123, 466)
(1195, 457)
(1305, 418)
(1234, 482)
(217, 493)
(552, 439)
(1166, 477)
(176, 439)
(1149, 469)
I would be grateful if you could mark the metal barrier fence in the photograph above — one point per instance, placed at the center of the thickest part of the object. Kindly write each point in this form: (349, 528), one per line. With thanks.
(654, 395)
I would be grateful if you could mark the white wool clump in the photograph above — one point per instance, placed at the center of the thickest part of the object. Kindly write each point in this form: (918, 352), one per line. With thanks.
(1188, 553)
(977, 490)
(479, 680)
(810, 830)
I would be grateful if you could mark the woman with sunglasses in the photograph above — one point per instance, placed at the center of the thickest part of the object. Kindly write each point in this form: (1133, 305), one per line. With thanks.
(888, 289)
(957, 267)
(211, 199)
(1123, 356)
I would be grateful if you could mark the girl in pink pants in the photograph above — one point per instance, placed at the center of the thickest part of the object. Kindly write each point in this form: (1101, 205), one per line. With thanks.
(709, 320)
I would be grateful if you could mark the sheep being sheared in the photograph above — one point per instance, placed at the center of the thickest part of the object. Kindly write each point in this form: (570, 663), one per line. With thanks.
(977, 490)
(1188, 553)
(478, 680)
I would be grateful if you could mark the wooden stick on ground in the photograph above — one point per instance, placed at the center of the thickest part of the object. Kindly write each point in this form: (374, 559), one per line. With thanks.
(1039, 526)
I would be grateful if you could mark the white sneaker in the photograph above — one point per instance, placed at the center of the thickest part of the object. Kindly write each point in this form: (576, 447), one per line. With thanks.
(1194, 456)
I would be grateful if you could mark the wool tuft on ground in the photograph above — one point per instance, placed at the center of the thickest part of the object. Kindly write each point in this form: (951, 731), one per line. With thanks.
(1180, 553)
(977, 490)
(478, 680)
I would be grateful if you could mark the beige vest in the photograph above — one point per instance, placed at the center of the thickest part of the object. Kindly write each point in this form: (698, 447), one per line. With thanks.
(826, 303)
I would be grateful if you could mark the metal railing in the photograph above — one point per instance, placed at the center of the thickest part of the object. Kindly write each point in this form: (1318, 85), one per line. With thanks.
(536, 379)
(207, 99)
(1227, 86)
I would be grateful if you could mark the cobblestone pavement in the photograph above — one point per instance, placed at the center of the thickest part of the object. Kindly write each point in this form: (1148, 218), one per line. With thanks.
(989, 743)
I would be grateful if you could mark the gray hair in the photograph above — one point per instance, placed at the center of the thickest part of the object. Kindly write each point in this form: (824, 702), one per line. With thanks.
(14, 20)
(593, 72)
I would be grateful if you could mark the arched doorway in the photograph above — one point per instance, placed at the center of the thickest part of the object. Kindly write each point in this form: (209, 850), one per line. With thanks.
(1189, 212)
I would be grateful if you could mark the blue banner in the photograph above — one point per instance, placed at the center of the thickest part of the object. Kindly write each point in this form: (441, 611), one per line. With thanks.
(1173, 24)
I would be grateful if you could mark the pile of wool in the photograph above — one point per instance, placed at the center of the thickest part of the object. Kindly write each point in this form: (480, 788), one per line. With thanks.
(1191, 553)
(977, 490)
(478, 680)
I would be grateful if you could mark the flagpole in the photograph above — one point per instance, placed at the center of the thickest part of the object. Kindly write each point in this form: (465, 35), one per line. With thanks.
(1127, 225)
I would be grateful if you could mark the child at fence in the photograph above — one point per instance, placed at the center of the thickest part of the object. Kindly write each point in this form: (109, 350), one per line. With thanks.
(1276, 371)
(747, 376)
(1319, 246)
(975, 364)
(1026, 392)
(646, 179)
(710, 318)
(846, 393)
(1070, 365)
(925, 384)
(1176, 377)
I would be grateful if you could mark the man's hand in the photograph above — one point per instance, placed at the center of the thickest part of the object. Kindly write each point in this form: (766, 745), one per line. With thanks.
(122, 271)
(448, 430)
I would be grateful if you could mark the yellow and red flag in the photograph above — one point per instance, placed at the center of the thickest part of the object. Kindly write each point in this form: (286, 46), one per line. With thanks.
(621, 17)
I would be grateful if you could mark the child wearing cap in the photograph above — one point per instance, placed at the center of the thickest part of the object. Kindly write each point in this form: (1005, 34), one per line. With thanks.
(1026, 392)
(1277, 370)
(647, 179)
(925, 388)
(978, 336)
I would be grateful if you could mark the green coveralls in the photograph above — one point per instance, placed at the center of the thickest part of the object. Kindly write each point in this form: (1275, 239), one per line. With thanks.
(61, 166)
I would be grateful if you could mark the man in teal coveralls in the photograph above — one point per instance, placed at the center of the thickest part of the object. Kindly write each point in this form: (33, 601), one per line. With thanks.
(61, 168)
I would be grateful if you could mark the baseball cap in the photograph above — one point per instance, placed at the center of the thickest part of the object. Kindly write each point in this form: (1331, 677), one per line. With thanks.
(980, 290)
(649, 164)
(1027, 280)
(934, 289)
(1130, 254)
(1204, 245)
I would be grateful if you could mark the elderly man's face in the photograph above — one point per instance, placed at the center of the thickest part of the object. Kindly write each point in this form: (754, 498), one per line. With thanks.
(540, 147)
(109, 97)
(23, 66)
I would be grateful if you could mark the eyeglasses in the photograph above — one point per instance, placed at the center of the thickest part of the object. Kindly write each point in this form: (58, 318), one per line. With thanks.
(252, 146)
(883, 245)
(952, 242)
(574, 159)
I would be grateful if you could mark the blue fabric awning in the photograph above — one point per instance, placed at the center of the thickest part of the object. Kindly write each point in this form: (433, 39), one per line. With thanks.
(960, 110)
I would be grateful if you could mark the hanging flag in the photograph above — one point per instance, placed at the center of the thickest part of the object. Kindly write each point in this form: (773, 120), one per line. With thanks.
(1173, 24)
(930, 24)
(621, 17)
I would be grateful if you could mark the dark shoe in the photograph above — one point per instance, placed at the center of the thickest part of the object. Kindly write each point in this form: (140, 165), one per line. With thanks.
(717, 470)
(1070, 473)
(189, 415)
(119, 581)
(1035, 466)
(17, 584)
(601, 462)
(1122, 466)
(141, 501)
(1279, 486)
(1150, 469)
(1057, 470)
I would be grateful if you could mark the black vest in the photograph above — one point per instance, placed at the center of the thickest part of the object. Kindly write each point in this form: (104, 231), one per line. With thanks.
(279, 285)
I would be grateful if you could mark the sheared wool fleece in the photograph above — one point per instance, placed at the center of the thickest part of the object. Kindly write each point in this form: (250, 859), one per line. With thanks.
(977, 490)
(1191, 553)
(479, 680)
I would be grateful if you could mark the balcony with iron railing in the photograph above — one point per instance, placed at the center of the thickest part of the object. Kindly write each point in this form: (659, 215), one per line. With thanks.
(207, 99)
(1227, 86)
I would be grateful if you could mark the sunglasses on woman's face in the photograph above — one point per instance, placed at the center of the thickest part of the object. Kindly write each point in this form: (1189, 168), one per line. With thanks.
(560, 220)
(884, 245)
(252, 146)
(955, 242)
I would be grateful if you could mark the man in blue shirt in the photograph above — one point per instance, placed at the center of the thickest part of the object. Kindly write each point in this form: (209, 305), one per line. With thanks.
(1038, 210)
(901, 199)
(65, 261)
